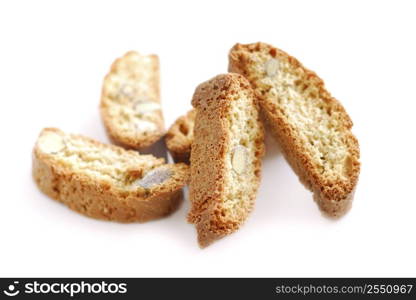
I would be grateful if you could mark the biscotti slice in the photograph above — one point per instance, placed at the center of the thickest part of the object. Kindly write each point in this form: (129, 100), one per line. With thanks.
(104, 181)
(130, 101)
(312, 127)
(179, 137)
(226, 156)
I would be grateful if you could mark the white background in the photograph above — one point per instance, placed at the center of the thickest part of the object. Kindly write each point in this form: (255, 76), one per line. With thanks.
(53, 57)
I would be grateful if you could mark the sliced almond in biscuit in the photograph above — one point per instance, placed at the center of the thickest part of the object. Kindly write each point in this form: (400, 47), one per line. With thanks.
(126, 90)
(146, 106)
(154, 177)
(144, 125)
(51, 143)
(272, 67)
(239, 159)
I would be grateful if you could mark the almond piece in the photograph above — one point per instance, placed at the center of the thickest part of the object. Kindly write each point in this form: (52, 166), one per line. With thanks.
(144, 125)
(239, 159)
(146, 106)
(272, 67)
(51, 143)
(154, 177)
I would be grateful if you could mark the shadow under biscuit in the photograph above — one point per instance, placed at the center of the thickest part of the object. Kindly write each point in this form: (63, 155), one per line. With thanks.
(281, 194)
(272, 147)
(177, 224)
(158, 149)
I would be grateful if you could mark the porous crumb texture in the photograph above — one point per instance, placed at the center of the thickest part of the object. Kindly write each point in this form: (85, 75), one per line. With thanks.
(312, 127)
(179, 137)
(226, 156)
(105, 181)
(130, 101)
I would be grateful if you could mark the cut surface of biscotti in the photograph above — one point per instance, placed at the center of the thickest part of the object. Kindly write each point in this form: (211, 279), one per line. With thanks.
(179, 137)
(312, 127)
(104, 181)
(226, 156)
(130, 101)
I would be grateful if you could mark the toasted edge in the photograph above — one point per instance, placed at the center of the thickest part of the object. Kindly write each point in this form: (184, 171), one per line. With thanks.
(208, 157)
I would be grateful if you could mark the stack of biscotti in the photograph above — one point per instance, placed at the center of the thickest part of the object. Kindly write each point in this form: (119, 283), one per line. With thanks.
(217, 146)
(312, 128)
(105, 181)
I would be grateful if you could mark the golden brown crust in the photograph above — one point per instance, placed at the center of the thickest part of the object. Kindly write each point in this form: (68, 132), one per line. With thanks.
(211, 149)
(179, 137)
(101, 199)
(126, 71)
(333, 196)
